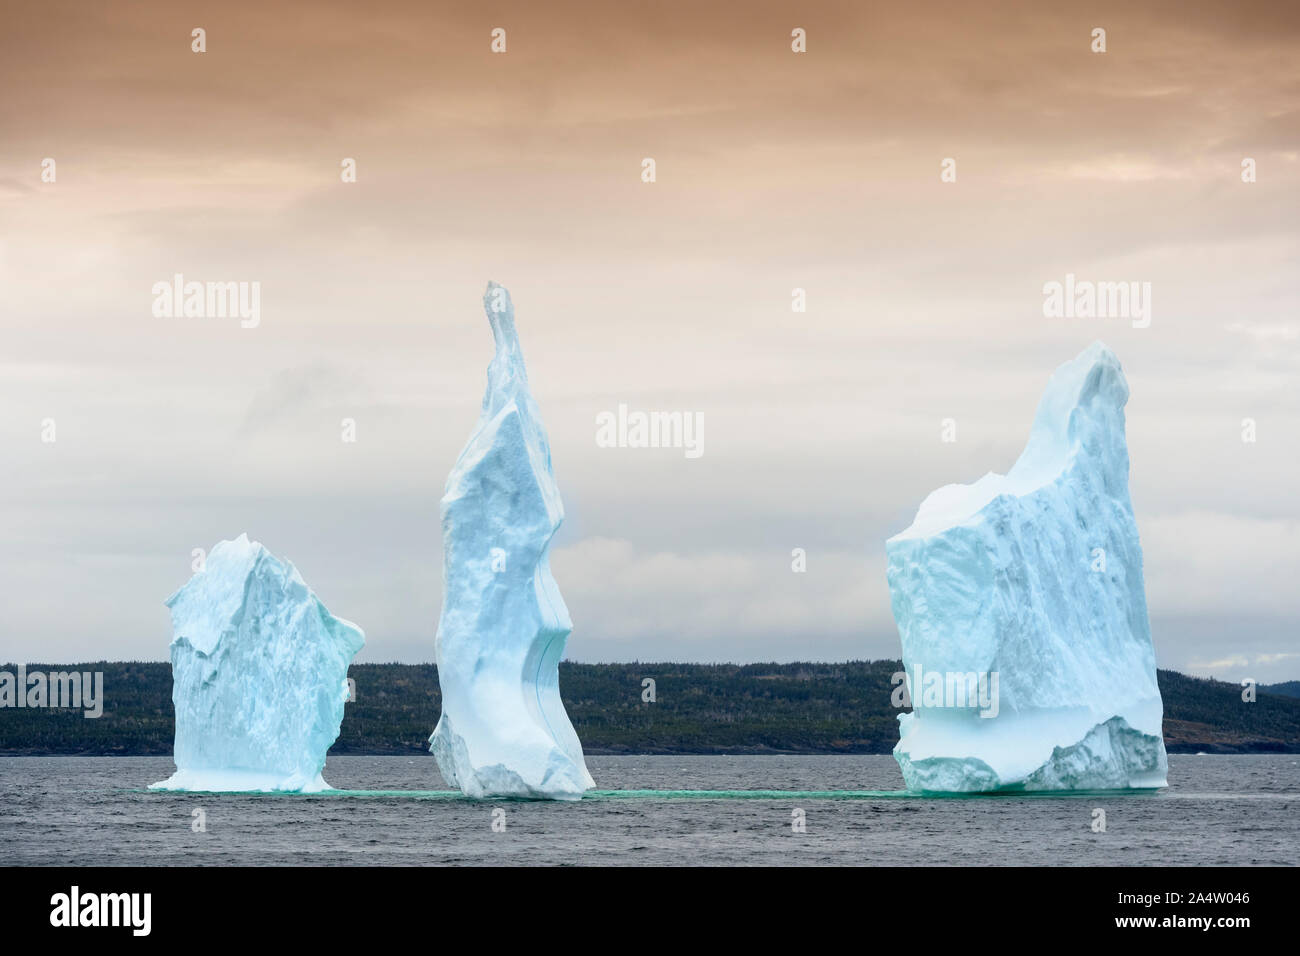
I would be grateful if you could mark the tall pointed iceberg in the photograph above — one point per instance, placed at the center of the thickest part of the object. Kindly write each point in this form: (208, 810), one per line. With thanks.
(259, 675)
(1028, 587)
(503, 729)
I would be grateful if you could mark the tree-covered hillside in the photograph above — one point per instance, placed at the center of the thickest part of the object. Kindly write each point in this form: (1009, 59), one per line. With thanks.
(698, 708)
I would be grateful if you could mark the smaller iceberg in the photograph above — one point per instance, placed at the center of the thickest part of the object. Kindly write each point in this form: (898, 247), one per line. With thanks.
(259, 675)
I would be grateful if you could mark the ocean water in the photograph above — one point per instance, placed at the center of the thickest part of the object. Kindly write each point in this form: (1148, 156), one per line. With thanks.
(660, 811)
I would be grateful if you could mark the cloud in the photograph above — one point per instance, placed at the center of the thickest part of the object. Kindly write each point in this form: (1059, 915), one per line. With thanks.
(304, 390)
(1202, 560)
(719, 604)
(1266, 332)
(1222, 664)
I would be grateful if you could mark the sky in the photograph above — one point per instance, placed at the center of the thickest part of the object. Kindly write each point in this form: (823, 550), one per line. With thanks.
(774, 171)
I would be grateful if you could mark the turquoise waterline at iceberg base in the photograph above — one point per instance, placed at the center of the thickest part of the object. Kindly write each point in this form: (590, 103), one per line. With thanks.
(457, 795)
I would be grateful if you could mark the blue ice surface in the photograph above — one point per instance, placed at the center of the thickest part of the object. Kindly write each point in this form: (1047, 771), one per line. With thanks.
(503, 729)
(259, 675)
(1032, 582)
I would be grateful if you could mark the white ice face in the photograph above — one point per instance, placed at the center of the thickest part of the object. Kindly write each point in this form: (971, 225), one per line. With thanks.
(1032, 583)
(504, 730)
(259, 671)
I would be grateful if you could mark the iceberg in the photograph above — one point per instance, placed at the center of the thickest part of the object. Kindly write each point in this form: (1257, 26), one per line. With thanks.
(503, 730)
(259, 675)
(1021, 607)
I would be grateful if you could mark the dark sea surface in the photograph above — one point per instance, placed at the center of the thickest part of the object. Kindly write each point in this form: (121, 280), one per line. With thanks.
(1218, 810)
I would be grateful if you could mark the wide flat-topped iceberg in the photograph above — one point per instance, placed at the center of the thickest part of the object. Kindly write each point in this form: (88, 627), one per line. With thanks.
(503, 729)
(1021, 607)
(259, 675)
